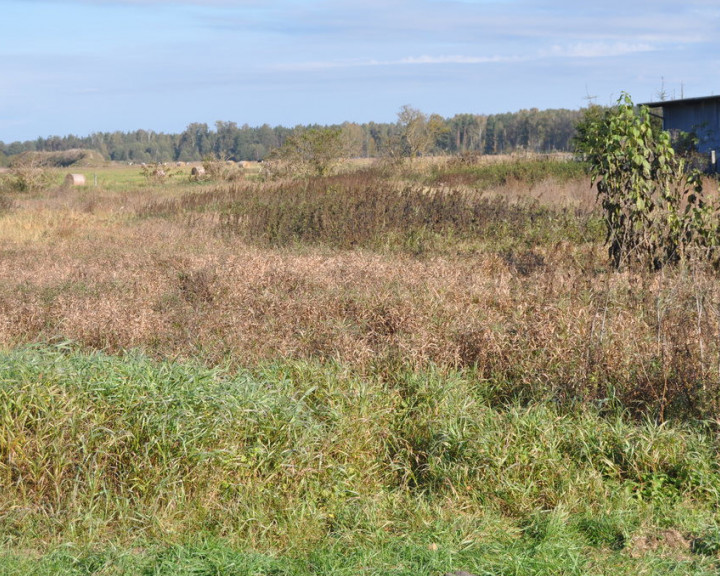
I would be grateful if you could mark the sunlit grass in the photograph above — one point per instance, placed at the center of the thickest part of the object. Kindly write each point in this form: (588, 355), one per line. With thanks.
(316, 469)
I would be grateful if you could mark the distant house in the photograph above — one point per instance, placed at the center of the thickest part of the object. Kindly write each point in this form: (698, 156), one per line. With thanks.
(700, 116)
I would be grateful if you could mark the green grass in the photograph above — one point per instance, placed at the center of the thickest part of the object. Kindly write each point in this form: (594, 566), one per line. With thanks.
(487, 175)
(124, 465)
(211, 557)
(124, 178)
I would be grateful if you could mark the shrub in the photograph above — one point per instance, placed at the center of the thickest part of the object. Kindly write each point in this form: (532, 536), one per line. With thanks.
(655, 210)
(27, 174)
(310, 152)
(157, 173)
(220, 169)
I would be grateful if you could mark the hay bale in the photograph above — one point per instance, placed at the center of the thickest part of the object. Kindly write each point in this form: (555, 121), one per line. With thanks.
(75, 180)
(197, 174)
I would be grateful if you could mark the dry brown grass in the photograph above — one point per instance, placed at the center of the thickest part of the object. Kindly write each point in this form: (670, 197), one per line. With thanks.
(544, 319)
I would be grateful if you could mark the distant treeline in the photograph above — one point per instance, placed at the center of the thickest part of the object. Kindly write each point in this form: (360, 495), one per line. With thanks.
(529, 130)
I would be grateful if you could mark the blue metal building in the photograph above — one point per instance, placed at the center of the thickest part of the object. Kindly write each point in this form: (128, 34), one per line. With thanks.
(700, 116)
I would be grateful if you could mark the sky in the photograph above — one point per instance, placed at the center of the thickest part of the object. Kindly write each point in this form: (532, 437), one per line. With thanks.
(81, 66)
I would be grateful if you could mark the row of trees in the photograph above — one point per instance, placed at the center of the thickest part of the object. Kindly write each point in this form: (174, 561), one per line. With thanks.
(533, 130)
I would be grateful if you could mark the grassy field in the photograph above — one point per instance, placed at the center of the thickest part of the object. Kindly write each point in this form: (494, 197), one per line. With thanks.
(413, 372)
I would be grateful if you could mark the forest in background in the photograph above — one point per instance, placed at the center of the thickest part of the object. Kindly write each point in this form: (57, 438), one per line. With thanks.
(526, 130)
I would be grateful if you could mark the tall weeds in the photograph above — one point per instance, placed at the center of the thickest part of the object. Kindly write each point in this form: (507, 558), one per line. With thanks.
(375, 274)
(361, 210)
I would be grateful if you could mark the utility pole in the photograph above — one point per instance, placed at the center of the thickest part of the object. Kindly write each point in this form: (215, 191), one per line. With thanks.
(589, 99)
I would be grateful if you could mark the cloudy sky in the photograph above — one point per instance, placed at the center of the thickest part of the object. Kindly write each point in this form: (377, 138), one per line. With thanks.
(84, 66)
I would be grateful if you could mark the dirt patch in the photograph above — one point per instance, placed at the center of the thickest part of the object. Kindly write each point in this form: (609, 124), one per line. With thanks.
(668, 542)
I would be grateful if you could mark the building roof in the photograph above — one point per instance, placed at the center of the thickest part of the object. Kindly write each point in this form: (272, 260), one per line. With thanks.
(681, 102)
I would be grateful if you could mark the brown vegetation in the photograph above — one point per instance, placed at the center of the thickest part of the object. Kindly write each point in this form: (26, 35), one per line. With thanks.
(521, 293)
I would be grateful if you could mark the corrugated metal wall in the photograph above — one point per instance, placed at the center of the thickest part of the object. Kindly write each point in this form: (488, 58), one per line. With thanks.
(703, 118)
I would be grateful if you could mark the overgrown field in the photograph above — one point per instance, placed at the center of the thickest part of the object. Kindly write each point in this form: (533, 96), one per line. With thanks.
(370, 373)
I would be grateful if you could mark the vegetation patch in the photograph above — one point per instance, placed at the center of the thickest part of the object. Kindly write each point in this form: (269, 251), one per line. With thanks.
(363, 209)
(306, 468)
(485, 173)
(61, 159)
(363, 372)
(655, 210)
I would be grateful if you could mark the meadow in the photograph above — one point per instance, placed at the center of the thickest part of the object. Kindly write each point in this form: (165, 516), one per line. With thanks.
(383, 371)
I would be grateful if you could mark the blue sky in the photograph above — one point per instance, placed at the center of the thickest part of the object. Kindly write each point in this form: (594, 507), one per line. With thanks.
(81, 66)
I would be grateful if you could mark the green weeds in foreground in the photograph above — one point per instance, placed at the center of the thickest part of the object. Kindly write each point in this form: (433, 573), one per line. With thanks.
(122, 465)
(211, 557)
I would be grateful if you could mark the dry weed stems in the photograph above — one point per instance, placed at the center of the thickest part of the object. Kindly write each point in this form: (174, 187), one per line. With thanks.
(520, 292)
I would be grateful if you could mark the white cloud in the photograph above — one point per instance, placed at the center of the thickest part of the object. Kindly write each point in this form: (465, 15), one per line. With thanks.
(598, 49)
(570, 51)
(407, 61)
(456, 59)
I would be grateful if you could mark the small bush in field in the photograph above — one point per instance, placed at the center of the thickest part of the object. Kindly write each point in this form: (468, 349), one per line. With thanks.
(655, 210)
(313, 152)
(6, 203)
(219, 169)
(27, 174)
(157, 173)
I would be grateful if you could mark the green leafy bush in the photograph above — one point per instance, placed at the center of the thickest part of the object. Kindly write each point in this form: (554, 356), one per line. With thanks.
(315, 151)
(655, 210)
